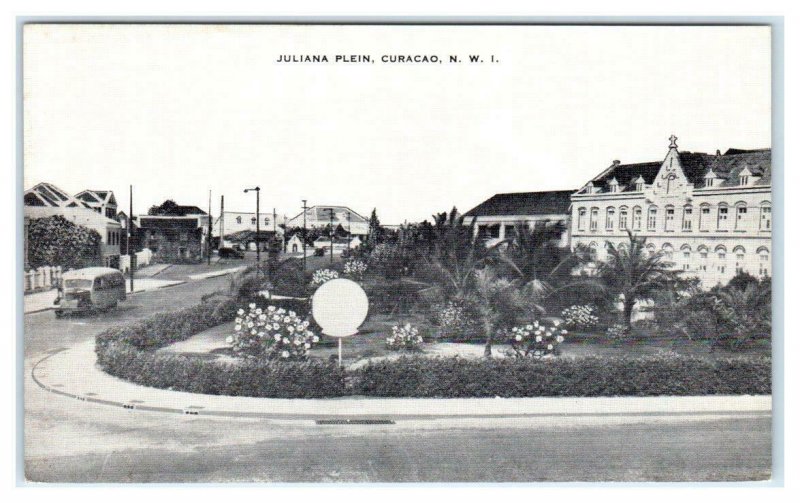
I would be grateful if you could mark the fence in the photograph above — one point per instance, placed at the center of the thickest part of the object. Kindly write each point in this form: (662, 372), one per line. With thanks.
(43, 278)
(143, 258)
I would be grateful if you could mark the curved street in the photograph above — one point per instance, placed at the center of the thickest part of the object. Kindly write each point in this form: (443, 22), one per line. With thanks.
(68, 440)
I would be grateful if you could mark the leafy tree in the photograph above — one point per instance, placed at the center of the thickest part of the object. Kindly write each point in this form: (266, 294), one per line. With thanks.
(632, 272)
(165, 208)
(55, 241)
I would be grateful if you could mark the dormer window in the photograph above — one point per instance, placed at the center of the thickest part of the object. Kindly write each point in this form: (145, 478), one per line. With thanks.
(709, 178)
(743, 180)
(613, 185)
(638, 184)
(744, 176)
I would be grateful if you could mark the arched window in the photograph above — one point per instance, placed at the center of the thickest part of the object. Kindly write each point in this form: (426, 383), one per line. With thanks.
(763, 261)
(741, 216)
(686, 256)
(668, 252)
(652, 212)
(765, 222)
(686, 225)
(722, 217)
(610, 218)
(705, 217)
(722, 255)
(238, 220)
(637, 218)
(738, 252)
(702, 252)
(253, 220)
(669, 218)
(266, 221)
(593, 219)
(581, 219)
(623, 218)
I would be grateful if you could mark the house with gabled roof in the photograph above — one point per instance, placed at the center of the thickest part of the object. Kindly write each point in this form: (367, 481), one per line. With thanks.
(709, 214)
(102, 201)
(321, 216)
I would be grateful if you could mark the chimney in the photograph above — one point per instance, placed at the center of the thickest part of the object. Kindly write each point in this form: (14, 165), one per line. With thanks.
(615, 162)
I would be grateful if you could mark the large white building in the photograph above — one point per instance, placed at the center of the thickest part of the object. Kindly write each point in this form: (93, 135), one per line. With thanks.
(322, 216)
(711, 214)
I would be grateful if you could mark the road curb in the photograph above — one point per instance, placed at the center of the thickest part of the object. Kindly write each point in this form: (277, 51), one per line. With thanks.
(451, 409)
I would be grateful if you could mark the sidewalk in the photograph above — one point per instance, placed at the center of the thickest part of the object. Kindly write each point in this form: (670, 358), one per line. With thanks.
(72, 372)
(43, 301)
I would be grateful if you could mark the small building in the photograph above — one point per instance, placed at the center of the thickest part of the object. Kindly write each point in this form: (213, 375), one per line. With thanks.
(320, 216)
(496, 218)
(295, 244)
(173, 238)
(240, 224)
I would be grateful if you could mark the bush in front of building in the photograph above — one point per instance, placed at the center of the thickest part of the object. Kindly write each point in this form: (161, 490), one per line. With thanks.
(55, 241)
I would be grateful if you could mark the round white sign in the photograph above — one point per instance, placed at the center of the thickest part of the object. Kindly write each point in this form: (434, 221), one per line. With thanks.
(339, 306)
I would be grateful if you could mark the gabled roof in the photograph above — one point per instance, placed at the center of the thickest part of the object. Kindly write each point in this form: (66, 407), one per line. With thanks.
(322, 212)
(161, 222)
(47, 194)
(182, 211)
(553, 202)
(97, 197)
(695, 166)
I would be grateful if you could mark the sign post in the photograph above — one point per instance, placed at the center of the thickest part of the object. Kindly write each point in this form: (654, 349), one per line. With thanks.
(340, 306)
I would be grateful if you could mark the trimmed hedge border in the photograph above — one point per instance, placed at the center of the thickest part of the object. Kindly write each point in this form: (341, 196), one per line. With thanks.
(129, 353)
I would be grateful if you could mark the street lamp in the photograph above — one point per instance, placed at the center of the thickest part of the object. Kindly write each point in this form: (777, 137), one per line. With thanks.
(257, 190)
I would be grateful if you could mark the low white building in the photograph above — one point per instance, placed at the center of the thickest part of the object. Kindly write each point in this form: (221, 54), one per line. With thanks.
(320, 216)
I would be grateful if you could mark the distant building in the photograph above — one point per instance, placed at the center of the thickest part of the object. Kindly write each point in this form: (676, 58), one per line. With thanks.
(496, 218)
(239, 226)
(45, 200)
(295, 244)
(173, 238)
(711, 214)
(320, 216)
(102, 201)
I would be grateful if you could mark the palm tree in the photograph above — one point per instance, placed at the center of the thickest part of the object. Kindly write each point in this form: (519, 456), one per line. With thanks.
(635, 274)
(495, 298)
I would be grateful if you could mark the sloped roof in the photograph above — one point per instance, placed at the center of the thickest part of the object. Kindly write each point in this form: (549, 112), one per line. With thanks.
(322, 212)
(553, 202)
(47, 194)
(695, 165)
(97, 196)
(182, 211)
(159, 222)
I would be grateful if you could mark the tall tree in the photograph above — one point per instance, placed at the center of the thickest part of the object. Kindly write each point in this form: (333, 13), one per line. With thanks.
(165, 208)
(635, 274)
(375, 231)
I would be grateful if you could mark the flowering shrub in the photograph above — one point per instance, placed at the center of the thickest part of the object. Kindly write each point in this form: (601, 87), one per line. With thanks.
(323, 276)
(355, 268)
(456, 322)
(273, 333)
(536, 340)
(405, 337)
(617, 332)
(580, 317)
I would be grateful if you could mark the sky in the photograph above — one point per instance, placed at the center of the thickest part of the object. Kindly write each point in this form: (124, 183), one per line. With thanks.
(179, 110)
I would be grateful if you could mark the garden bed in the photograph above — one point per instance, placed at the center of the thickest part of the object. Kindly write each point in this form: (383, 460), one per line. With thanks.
(136, 353)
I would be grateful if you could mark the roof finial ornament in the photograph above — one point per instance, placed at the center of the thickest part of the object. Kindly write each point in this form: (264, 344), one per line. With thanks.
(672, 140)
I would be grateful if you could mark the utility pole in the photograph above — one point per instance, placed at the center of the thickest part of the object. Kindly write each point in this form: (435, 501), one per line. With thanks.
(221, 220)
(257, 190)
(304, 234)
(210, 224)
(331, 210)
(131, 255)
(349, 234)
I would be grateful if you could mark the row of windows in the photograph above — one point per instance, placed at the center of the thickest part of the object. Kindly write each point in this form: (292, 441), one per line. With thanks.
(112, 237)
(252, 220)
(741, 214)
(719, 256)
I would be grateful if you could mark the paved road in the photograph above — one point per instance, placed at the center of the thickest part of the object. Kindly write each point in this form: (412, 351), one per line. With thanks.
(71, 441)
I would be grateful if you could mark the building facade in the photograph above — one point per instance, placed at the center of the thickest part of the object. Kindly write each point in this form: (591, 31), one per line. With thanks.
(710, 214)
(497, 217)
(173, 238)
(236, 224)
(321, 216)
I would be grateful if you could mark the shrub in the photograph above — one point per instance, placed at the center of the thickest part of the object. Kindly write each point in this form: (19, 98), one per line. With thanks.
(355, 268)
(271, 333)
(404, 337)
(536, 340)
(457, 321)
(580, 317)
(593, 376)
(56, 241)
(323, 276)
(289, 279)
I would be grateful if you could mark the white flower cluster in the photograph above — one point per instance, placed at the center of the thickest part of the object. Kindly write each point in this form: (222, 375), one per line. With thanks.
(271, 333)
(355, 267)
(537, 339)
(580, 317)
(454, 320)
(617, 331)
(323, 276)
(405, 337)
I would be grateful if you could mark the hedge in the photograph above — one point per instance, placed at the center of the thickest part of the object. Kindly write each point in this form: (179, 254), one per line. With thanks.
(129, 353)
